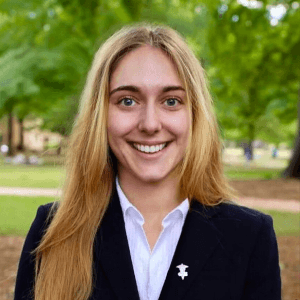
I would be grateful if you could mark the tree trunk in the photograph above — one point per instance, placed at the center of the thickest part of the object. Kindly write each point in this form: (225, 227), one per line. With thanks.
(251, 135)
(21, 143)
(10, 134)
(293, 170)
(251, 122)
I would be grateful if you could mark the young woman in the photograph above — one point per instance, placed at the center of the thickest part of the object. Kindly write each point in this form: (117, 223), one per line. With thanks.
(145, 211)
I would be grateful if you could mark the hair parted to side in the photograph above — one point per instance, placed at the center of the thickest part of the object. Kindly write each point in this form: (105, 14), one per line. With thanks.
(65, 256)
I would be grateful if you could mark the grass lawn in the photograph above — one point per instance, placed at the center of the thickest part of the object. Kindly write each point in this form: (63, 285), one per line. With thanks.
(285, 224)
(17, 213)
(248, 173)
(53, 176)
(31, 176)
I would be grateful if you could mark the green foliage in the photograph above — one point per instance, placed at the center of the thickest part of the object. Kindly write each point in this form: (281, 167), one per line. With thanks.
(251, 69)
(60, 117)
(17, 67)
(47, 47)
(273, 130)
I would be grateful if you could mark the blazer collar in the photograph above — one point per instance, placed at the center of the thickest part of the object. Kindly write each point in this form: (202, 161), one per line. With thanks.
(197, 241)
(114, 253)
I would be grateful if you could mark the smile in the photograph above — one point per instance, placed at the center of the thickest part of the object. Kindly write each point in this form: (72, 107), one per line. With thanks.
(149, 149)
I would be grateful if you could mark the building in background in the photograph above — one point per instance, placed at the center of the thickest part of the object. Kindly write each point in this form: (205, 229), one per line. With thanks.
(34, 138)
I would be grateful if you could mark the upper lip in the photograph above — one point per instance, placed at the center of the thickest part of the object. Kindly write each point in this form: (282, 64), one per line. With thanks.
(150, 143)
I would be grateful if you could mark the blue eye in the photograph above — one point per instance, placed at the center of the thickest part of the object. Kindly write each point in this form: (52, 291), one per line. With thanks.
(172, 101)
(127, 102)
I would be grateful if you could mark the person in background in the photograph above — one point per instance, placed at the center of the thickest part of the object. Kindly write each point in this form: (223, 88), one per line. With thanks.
(274, 152)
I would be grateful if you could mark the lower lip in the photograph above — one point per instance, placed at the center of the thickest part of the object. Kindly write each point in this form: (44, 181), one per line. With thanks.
(151, 155)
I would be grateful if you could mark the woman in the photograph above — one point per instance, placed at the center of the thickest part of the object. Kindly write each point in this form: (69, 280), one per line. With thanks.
(144, 212)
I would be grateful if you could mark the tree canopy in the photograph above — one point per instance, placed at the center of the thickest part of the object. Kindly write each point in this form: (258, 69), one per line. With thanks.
(250, 50)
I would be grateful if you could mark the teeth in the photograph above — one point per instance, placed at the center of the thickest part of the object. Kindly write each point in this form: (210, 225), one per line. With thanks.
(149, 149)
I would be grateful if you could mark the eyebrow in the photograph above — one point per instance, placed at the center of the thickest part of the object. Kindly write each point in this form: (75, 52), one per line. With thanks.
(135, 89)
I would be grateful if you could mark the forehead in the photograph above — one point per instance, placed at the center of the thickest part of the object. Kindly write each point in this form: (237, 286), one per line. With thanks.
(145, 66)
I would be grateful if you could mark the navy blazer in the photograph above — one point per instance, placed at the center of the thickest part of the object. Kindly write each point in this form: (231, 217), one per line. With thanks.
(231, 253)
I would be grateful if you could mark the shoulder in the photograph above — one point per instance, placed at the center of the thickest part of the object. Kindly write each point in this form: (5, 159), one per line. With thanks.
(234, 221)
(26, 270)
(245, 216)
(249, 237)
(245, 234)
(227, 208)
(45, 210)
(39, 225)
(44, 216)
(231, 211)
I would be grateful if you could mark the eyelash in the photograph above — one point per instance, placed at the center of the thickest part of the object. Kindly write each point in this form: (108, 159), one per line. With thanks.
(131, 98)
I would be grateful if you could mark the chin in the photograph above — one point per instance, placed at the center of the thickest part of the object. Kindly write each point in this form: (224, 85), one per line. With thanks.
(152, 177)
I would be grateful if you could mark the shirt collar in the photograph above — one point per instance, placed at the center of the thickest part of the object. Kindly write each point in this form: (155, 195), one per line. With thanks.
(125, 204)
(178, 212)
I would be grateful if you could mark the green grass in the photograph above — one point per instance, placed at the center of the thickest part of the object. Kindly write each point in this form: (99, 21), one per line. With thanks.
(248, 173)
(285, 223)
(31, 176)
(17, 213)
(53, 176)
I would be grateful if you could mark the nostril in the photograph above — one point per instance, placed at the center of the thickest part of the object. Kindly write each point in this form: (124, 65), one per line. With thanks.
(149, 127)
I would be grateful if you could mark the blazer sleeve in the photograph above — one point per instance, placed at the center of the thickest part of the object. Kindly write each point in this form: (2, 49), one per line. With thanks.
(263, 274)
(26, 271)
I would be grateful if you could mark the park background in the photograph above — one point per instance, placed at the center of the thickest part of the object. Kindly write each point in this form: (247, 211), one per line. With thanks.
(250, 51)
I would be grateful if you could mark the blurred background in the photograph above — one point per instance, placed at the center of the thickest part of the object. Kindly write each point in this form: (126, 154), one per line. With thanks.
(251, 53)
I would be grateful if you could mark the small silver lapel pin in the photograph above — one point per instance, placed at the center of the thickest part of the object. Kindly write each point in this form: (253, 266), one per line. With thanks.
(182, 272)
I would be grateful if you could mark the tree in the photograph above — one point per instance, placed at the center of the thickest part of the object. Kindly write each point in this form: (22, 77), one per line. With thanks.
(293, 169)
(62, 37)
(291, 74)
(245, 52)
(35, 71)
(16, 66)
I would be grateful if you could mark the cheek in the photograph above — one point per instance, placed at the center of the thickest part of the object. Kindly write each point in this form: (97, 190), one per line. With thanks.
(118, 124)
(180, 126)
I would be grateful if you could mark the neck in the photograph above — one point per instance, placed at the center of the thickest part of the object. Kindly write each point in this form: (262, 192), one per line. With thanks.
(153, 199)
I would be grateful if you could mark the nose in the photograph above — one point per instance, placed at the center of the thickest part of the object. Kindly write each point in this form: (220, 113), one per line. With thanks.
(150, 121)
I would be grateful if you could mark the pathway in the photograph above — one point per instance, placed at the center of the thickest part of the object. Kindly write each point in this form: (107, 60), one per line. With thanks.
(272, 204)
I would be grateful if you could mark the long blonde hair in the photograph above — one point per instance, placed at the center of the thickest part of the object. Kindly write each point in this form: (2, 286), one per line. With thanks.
(65, 255)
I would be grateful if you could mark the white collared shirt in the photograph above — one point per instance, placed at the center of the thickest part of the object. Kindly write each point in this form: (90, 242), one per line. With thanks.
(151, 268)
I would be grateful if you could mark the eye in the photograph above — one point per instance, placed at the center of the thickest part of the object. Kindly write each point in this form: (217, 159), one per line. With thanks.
(127, 101)
(172, 102)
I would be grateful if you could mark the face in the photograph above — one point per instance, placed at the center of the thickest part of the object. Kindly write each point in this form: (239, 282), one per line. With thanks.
(148, 119)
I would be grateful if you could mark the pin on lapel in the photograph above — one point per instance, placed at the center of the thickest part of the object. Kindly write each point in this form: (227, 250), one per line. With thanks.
(182, 272)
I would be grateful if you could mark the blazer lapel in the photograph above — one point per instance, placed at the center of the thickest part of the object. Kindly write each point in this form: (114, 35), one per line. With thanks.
(197, 241)
(114, 251)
